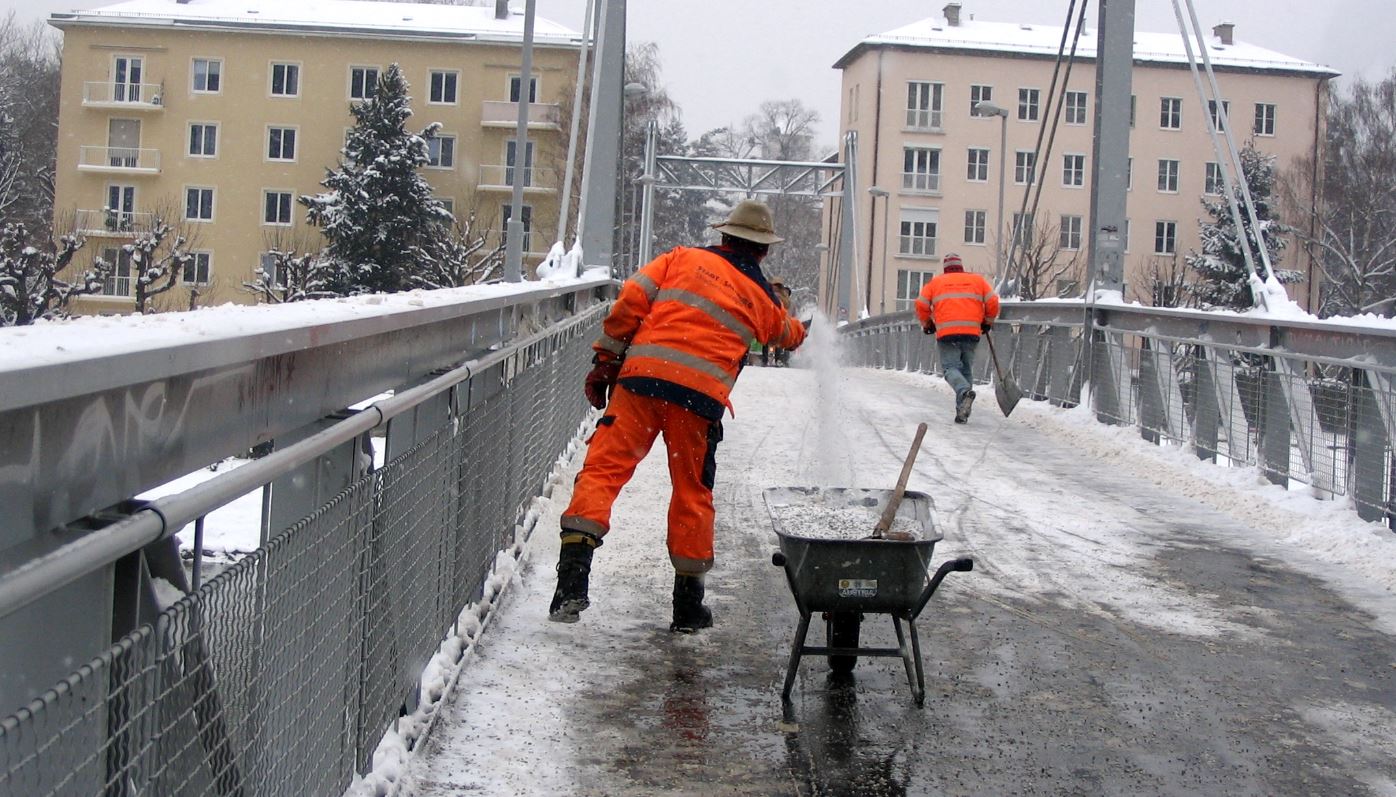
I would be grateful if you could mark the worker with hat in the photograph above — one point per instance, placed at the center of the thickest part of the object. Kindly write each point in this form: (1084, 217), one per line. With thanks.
(666, 361)
(957, 305)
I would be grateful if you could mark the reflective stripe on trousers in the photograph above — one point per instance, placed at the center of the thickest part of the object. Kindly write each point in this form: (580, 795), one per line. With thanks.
(622, 439)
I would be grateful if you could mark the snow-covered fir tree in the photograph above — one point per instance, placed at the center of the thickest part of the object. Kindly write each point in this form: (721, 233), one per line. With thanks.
(1223, 281)
(379, 218)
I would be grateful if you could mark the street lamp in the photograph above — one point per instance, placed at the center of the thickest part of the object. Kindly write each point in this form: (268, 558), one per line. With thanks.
(882, 298)
(990, 109)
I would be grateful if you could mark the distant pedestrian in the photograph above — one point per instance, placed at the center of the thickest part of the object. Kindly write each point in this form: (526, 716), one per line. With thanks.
(957, 305)
(668, 356)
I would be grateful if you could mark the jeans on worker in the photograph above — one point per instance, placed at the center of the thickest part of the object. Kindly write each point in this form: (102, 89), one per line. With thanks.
(957, 361)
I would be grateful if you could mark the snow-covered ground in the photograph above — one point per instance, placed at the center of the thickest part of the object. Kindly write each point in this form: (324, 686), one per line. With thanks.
(1039, 499)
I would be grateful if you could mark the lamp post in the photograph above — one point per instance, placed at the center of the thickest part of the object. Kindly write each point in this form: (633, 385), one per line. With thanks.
(990, 109)
(882, 296)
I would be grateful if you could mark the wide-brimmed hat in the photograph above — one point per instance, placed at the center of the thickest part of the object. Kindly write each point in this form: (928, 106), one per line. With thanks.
(751, 221)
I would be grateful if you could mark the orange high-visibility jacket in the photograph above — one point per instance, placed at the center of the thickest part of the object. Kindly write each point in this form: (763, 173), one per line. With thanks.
(687, 318)
(958, 302)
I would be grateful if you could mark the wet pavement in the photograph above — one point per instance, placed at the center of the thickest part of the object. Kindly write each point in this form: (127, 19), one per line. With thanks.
(1117, 638)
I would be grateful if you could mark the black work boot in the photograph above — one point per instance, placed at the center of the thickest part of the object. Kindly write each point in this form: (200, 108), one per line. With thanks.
(573, 571)
(689, 612)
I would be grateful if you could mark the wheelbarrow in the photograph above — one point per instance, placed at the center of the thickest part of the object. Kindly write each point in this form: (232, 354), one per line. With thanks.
(835, 568)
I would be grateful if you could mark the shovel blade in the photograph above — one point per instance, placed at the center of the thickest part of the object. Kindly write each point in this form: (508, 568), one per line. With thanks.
(1007, 394)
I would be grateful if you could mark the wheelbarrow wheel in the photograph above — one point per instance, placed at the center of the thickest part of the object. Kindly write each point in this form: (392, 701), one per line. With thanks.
(842, 628)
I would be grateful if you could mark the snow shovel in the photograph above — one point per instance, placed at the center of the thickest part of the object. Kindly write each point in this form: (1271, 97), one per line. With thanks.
(1006, 390)
(885, 522)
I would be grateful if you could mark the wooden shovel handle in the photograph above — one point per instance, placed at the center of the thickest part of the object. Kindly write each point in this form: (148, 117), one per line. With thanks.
(885, 522)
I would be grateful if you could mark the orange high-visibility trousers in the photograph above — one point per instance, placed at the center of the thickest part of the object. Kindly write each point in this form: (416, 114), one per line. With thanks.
(623, 437)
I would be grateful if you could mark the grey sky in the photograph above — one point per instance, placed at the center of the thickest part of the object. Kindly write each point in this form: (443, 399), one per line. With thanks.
(722, 58)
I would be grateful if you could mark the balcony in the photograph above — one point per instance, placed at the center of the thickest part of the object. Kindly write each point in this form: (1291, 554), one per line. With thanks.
(541, 116)
(111, 223)
(119, 160)
(501, 178)
(125, 96)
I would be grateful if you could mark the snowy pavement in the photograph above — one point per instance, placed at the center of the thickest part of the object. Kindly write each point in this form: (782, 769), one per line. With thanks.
(1137, 622)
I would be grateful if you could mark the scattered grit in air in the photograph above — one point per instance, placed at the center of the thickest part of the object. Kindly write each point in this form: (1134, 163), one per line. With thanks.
(815, 521)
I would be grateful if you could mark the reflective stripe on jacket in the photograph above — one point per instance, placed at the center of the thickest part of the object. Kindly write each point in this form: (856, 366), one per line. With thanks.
(958, 302)
(687, 317)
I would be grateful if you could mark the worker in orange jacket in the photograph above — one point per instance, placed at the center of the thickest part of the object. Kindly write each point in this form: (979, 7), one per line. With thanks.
(668, 356)
(957, 305)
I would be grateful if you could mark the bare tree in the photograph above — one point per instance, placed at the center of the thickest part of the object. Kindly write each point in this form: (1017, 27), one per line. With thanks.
(292, 270)
(465, 257)
(1045, 264)
(32, 286)
(1345, 207)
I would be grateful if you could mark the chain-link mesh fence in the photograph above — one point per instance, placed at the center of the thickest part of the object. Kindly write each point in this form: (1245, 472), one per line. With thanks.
(1311, 418)
(280, 675)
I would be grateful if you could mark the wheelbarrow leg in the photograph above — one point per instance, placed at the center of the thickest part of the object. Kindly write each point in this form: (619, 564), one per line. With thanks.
(913, 668)
(795, 653)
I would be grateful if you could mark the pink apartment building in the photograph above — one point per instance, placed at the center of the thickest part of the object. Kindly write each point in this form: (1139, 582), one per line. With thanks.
(909, 94)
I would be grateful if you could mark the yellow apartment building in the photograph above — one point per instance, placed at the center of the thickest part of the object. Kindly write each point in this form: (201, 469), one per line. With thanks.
(219, 114)
(910, 92)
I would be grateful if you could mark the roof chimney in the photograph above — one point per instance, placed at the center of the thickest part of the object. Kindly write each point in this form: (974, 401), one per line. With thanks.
(501, 9)
(1224, 31)
(952, 14)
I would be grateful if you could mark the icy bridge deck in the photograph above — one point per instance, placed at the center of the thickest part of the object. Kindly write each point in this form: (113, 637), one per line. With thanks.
(1137, 623)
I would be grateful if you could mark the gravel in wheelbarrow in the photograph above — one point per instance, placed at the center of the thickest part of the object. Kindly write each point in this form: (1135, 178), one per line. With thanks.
(834, 567)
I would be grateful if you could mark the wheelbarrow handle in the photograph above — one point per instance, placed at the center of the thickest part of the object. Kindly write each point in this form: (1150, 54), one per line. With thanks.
(962, 565)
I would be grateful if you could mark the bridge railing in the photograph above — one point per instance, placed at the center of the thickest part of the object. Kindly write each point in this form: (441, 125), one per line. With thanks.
(1305, 401)
(281, 673)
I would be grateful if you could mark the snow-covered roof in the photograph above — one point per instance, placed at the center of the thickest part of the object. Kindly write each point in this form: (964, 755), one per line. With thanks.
(1043, 40)
(358, 17)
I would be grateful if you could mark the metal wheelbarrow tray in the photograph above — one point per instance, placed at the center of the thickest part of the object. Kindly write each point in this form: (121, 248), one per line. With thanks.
(834, 568)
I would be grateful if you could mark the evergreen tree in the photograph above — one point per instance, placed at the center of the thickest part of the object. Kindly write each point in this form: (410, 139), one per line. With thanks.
(380, 220)
(1223, 279)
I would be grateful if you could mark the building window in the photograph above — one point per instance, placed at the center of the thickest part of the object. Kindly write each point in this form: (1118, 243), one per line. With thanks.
(511, 153)
(1027, 104)
(909, 284)
(1070, 232)
(363, 82)
(443, 87)
(1076, 107)
(916, 229)
(1217, 117)
(196, 270)
(978, 170)
(441, 152)
(975, 226)
(920, 169)
(208, 74)
(198, 204)
(267, 272)
(526, 217)
(1170, 113)
(1165, 237)
(285, 80)
(1214, 184)
(515, 82)
(1168, 176)
(1022, 230)
(1024, 167)
(118, 283)
(1264, 119)
(276, 207)
(281, 143)
(978, 94)
(1073, 171)
(203, 139)
(923, 105)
